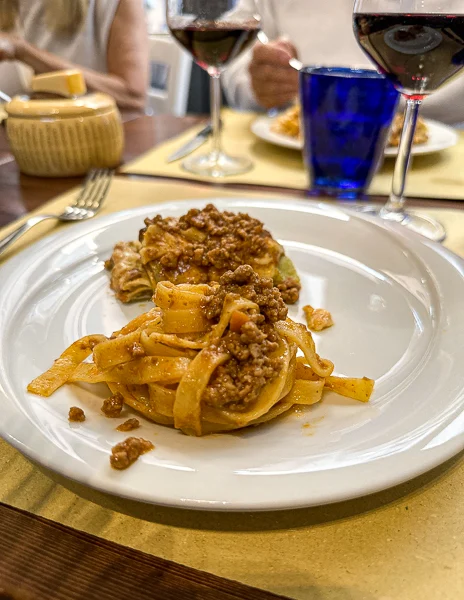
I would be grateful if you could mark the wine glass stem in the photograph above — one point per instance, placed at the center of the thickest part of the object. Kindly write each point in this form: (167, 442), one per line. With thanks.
(394, 209)
(216, 114)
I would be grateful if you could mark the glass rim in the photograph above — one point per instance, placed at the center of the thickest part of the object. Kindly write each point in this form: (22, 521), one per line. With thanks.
(346, 72)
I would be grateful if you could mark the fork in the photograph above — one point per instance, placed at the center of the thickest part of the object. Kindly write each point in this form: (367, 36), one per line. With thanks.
(86, 205)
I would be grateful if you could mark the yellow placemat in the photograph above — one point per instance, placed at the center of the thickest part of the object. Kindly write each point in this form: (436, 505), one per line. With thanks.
(402, 544)
(272, 165)
(439, 175)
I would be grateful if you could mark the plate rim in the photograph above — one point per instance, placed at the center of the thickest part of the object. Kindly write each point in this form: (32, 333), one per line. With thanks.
(447, 450)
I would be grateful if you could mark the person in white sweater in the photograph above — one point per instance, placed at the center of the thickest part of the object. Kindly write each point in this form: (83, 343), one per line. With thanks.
(317, 33)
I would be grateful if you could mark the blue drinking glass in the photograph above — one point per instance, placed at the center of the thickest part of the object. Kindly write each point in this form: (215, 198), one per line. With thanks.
(346, 116)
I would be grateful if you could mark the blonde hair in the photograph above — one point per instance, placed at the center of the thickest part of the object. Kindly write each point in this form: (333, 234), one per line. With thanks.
(61, 16)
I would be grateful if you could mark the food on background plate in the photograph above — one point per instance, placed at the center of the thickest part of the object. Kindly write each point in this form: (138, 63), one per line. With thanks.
(216, 357)
(288, 123)
(198, 248)
(421, 135)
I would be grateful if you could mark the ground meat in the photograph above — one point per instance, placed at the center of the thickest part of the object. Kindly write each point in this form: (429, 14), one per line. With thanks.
(170, 259)
(225, 240)
(129, 425)
(236, 384)
(246, 283)
(290, 290)
(112, 406)
(203, 244)
(196, 248)
(76, 415)
(231, 239)
(124, 454)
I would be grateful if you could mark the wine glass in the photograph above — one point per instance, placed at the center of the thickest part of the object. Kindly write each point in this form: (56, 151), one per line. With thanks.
(418, 45)
(215, 32)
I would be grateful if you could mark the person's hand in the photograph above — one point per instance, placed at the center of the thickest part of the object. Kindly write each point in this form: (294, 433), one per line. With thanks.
(8, 46)
(274, 81)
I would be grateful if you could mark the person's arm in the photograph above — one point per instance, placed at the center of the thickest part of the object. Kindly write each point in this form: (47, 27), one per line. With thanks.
(236, 80)
(274, 81)
(127, 58)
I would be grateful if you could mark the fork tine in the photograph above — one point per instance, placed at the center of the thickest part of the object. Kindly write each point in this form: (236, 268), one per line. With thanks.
(101, 190)
(94, 190)
(91, 189)
(88, 183)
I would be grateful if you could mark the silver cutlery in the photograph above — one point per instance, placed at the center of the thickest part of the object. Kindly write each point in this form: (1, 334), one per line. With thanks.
(296, 64)
(87, 204)
(191, 145)
(4, 97)
(293, 62)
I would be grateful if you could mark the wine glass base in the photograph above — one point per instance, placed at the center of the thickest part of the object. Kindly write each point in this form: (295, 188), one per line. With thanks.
(217, 165)
(421, 224)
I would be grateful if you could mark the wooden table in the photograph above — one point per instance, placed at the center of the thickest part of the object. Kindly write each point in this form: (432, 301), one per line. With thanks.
(95, 568)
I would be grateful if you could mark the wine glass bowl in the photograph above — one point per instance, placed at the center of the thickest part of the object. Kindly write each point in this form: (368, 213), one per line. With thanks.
(417, 52)
(419, 46)
(215, 32)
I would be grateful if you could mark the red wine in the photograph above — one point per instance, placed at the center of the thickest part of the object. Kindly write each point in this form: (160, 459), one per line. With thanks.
(418, 53)
(214, 44)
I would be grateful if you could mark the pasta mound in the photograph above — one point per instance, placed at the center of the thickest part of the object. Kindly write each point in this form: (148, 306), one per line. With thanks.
(198, 247)
(207, 358)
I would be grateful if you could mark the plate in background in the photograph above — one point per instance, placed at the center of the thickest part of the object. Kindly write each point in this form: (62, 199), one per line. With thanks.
(441, 137)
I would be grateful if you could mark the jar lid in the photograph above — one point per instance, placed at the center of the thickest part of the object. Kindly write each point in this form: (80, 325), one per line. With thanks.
(88, 105)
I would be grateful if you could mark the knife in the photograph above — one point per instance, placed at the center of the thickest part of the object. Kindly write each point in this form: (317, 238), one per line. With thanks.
(192, 145)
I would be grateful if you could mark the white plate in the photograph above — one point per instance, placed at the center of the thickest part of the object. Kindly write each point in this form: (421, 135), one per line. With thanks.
(441, 137)
(396, 301)
(262, 128)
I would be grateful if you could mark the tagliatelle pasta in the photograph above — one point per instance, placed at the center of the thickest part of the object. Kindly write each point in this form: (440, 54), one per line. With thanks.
(207, 358)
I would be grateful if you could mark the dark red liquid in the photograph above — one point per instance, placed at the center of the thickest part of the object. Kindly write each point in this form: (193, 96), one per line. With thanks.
(213, 45)
(418, 53)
